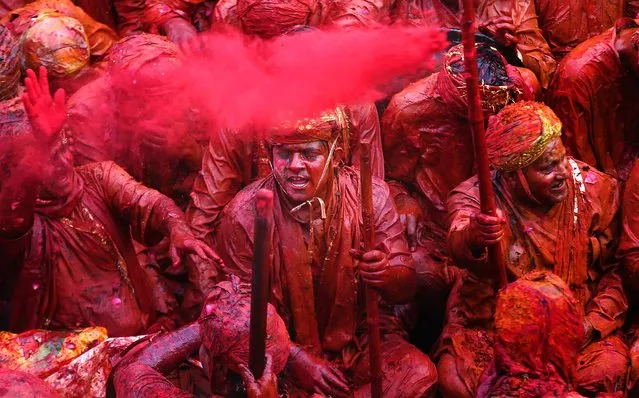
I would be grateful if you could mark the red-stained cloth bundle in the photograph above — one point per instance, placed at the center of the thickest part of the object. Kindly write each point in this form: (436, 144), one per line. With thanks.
(538, 335)
(225, 321)
(9, 64)
(272, 18)
(58, 43)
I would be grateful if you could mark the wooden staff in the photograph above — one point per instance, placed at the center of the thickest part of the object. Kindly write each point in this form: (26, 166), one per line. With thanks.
(260, 282)
(476, 118)
(372, 309)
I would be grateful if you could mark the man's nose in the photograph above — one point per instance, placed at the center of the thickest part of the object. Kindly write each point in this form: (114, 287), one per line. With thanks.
(296, 162)
(563, 170)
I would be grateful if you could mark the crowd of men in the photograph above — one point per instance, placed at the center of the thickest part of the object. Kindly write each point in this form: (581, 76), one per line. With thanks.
(120, 207)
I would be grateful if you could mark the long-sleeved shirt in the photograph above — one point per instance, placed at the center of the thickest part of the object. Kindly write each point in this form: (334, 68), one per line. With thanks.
(76, 265)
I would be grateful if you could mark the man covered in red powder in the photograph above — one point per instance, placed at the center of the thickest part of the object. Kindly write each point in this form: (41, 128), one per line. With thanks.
(222, 336)
(135, 115)
(566, 24)
(317, 269)
(555, 213)
(595, 93)
(234, 160)
(428, 152)
(65, 232)
(511, 23)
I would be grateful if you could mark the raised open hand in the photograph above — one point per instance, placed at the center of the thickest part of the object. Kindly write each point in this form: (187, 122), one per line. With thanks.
(46, 114)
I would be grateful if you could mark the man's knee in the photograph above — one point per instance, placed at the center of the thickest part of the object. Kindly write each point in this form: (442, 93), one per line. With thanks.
(451, 384)
(408, 371)
(603, 367)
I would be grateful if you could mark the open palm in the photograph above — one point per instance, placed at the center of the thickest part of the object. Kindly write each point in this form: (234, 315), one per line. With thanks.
(46, 114)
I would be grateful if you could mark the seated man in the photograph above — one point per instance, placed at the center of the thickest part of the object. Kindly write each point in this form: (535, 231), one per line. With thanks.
(318, 271)
(595, 94)
(555, 214)
(422, 125)
(65, 232)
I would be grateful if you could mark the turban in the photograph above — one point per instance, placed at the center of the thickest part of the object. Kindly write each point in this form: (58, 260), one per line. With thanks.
(538, 326)
(9, 64)
(58, 43)
(134, 52)
(452, 84)
(144, 75)
(272, 18)
(328, 126)
(225, 324)
(519, 134)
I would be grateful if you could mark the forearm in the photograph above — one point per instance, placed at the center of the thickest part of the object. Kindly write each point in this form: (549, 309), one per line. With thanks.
(169, 218)
(166, 351)
(607, 309)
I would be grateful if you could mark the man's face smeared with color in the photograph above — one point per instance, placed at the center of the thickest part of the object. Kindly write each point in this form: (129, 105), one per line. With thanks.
(299, 167)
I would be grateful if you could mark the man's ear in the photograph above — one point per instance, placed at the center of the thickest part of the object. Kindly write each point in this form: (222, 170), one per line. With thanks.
(338, 156)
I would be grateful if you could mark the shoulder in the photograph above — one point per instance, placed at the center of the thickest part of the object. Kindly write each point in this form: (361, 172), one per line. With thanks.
(101, 171)
(240, 211)
(412, 96)
(591, 60)
(600, 185)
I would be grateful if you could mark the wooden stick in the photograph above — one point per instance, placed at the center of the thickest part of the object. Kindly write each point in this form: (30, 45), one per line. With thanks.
(260, 282)
(476, 118)
(372, 309)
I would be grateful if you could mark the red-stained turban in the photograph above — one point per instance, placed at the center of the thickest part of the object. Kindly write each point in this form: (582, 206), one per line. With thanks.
(9, 64)
(225, 321)
(519, 134)
(328, 126)
(272, 18)
(58, 43)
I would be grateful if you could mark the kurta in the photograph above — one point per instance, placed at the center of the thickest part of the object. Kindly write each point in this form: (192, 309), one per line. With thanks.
(597, 100)
(532, 45)
(76, 266)
(314, 285)
(234, 160)
(566, 24)
(575, 239)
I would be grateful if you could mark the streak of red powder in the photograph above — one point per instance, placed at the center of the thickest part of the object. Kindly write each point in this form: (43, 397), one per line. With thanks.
(238, 82)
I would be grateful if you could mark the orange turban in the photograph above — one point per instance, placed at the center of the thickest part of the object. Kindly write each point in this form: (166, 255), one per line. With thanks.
(58, 43)
(519, 134)
(272, 18)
